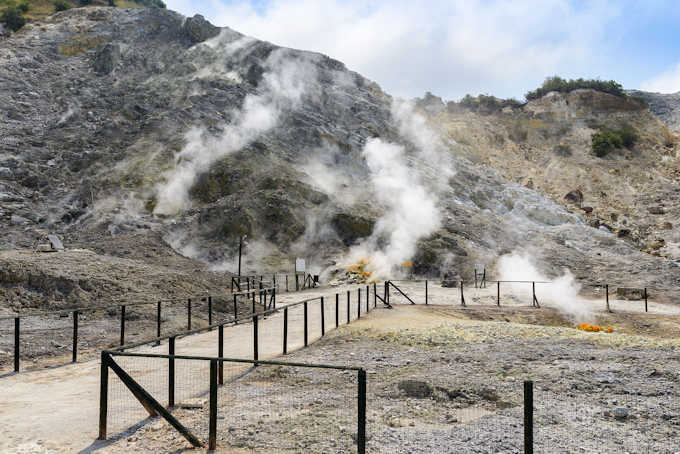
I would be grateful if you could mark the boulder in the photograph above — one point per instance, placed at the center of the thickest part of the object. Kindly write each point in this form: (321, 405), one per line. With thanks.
(630, 293)
(621, 413)
(587, 210)
(622, 233)
(198, 29)
(415, 388)
(106, 59)
(656, 210)
(575, 197)
(449, 283)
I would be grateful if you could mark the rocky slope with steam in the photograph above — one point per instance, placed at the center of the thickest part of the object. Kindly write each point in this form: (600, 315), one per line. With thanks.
(126, 121)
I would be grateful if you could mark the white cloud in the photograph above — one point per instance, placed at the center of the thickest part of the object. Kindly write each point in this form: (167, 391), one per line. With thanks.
(666, 82)
(448, 47)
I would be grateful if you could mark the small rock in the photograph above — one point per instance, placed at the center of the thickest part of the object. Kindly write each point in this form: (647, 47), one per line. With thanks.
(575, 197)
(621, 413)
(656, 210)
(415, 388)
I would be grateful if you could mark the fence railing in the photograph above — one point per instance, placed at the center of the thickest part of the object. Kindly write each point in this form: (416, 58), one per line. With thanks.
(279, 281)
(273, 332)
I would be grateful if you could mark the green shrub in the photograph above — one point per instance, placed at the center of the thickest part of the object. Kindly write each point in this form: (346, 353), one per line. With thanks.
(628, 136)
(23, 7)
(61, 5)
(12, 18)
(156, 3)
(605, 141)
(556, 83)
(484, 103)
(85, 2)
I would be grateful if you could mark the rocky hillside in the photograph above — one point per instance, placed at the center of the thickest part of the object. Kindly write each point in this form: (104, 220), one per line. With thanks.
(666, 106)
(140, 121)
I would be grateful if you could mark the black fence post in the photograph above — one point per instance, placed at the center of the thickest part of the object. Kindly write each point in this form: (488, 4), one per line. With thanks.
(297, 283)
(158, 321)
(235, 310)
(171, 372)
(337, 307)
(212, 425)
(375, 295)
(645, 299)
(210, 310)
(103, 395)
(75, 336)
(17, 342)
(305, 325)
(122, 324)
(220, 352)
(368, 302)
(255, 336)
(426, 292)
(189, 314)
(361, 417)
(348, 307)
(462, 295)
(606, 292)
(253, 298)
(285, 330)
(286, 283)
(323, 319)
(528, 417)
(359, 303)
(498, 292)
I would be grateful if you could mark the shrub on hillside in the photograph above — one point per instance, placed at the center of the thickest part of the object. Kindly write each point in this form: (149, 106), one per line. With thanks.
(484, 103)
(23, 7)
(156, 3)
(605, 141)
(556, 83)
(13, 18)
(85, 2)
(61, 5)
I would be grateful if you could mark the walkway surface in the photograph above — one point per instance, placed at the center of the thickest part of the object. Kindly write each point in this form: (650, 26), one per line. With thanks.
(57, 410)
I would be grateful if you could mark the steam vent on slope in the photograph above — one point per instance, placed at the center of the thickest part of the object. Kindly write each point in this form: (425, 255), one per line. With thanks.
(173, 192)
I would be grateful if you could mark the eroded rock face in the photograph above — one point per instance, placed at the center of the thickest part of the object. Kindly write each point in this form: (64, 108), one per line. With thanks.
(199, 29)
(106, 59)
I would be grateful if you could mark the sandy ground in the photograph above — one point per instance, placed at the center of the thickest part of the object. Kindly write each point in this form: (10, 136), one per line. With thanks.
(56, 410)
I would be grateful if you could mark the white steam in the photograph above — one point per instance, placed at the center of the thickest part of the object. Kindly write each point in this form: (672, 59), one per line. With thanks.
(561, 293)
(283, 85)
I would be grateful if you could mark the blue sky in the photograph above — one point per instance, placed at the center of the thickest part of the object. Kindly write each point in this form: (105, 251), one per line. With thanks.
(455, 47)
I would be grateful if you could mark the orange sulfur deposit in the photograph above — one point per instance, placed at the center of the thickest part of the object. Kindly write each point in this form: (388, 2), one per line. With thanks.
(359, 272)
(594, 328)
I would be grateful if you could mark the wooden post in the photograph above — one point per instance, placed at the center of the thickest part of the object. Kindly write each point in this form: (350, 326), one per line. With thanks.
(285, 330)
(297, 283)
(235, 310)
(305, 326)
(323, 319)
(17, 342)
(462, 295)
(348, 307)
(255, 336)
(361, 407)
(122, 324)
(75, 336)
(375, 295)
(528, 417)
(368, 293)
(286, 283)
(645, 299)
(212, 425)
(359, 303)
(189, 314)
(103, 395)
(220, 352)
(498, 287)
(337, 307)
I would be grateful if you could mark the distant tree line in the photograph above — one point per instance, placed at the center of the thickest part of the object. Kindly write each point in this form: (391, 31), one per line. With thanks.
(556, 83)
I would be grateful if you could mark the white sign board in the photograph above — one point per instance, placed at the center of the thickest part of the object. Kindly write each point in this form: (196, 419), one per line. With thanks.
(480, 267)
(299, 265)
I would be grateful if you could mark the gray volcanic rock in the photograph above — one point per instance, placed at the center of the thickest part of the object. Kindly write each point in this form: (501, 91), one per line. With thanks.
(200, 29)
(666, 106)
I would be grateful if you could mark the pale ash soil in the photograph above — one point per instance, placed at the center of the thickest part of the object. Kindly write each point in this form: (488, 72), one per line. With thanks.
(475, 369)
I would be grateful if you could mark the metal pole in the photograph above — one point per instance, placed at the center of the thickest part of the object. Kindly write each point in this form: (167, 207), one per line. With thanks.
(122, 325)
(158, 321)
(359, 303)
(220, 352)
(475, 277)
(645, 299)
(607, 296)
(255, 349)
(528, 417)
(462, 295)
(189, 314)
(75, 336)
(286, 283)
(348, 307)
(498, 286)
(337, 306)
(171, 372)
(361, 417)
(210, 310)
(235, 310)
(17, 342)
(240, 248)
(368, 294)
(323, 319)
(253, 297)
(103, 395)
(426, 292)
(375, 295)
(285, 330)
(305, 310)
(212, 425)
